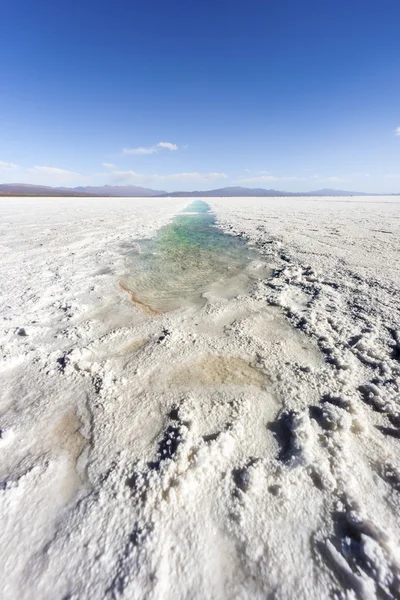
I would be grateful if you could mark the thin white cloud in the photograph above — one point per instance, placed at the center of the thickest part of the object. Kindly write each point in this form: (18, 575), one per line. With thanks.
(125, 175)
(140, 150)
(312, 178)
(52, 171)
(397, 132)
(54, 175)
(258, 172)
(332, 179)
(7, 165)
(268, 179)
(109, 166)
(193, 176)
(151, 149)
(167, 145)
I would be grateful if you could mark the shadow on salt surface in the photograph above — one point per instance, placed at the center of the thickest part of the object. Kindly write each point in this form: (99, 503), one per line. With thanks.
(188, 260)
(66, 437)
(218, 370)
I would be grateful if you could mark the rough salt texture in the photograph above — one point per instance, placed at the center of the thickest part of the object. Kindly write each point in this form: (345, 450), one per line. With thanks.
(247, 449)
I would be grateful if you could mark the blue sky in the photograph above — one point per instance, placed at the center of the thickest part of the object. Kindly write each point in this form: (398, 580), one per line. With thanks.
(175, 95)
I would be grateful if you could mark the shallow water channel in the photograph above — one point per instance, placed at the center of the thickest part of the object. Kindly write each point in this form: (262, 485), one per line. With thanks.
(189, 260)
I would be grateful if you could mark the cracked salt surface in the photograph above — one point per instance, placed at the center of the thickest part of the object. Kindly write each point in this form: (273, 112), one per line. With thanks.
(238, 445)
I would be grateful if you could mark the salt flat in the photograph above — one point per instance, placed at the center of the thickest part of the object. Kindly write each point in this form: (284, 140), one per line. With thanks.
(245, 447)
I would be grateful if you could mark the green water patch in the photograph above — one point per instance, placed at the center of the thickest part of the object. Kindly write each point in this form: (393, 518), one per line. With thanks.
(189, 259)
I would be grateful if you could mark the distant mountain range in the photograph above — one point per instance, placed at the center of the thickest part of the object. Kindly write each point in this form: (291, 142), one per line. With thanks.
(241, 191)
(26, 189)
(119, 190)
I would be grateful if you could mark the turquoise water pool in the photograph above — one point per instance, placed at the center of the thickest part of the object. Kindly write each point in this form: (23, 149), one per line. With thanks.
(188, 258)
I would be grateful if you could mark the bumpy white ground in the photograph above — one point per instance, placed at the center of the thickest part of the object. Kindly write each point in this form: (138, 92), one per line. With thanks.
(249, 449)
